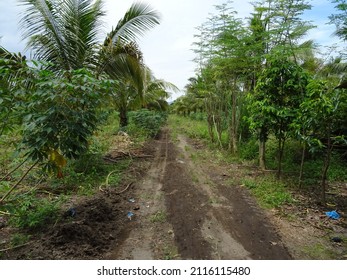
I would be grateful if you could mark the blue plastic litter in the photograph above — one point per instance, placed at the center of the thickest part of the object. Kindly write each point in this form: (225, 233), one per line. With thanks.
(333, 215)
(130, 214)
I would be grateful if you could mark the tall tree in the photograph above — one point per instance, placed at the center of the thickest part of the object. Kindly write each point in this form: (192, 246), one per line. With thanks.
(340, 19)
(320, 113)
(277, 27)
(278, 95)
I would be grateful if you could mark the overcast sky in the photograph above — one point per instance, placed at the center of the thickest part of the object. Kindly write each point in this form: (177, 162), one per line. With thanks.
(167, 48)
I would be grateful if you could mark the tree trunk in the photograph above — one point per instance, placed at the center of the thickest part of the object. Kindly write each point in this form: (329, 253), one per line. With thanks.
(325, 169)
(262, 142)
(233, 128)
(218, 130)
(123, 117)
(281, 143)
(302, 165)
(210, 127)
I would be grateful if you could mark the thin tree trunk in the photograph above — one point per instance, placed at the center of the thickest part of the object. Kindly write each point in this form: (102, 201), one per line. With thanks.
(302, 165)
(210, 127)
(325, 169)
(123, 117)
(13, 170)
(217, 131)
(233, 135)
(281, 143)
(262, 148)
(20, 180)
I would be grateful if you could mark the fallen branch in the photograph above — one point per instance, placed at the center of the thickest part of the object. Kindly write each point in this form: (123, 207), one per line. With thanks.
(125, 189)
(15, 247)
(108, 177)
(117, 193)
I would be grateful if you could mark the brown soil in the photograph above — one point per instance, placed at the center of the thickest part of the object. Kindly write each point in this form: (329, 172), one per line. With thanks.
(183, 207)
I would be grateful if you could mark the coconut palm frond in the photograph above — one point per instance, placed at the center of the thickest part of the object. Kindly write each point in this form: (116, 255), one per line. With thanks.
(136, 21)
(82, 23)
(63, 32)
(42, 18)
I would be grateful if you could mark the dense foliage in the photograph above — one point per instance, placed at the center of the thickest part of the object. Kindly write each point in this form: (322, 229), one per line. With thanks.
(149, 121)
(260, 77)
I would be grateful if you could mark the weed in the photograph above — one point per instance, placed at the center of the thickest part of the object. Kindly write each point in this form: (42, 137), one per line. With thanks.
(318, 252)
(159, 217)
(249, 150)
(213, 200)
(170, 252)
(149, 122)
(34, 213)
(270, 192)
(19, 239)
(195, 178)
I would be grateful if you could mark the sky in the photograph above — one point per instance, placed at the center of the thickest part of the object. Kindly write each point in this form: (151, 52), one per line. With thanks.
(167, 48)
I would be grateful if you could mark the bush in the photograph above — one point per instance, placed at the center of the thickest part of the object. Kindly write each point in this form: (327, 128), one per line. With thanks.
(34, 213)
(249, 150)
(149, 122)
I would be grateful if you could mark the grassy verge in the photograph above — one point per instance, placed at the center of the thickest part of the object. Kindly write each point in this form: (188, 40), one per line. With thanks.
(270, 192)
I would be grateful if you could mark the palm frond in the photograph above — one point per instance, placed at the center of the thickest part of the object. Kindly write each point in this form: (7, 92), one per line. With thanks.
(82, 23)
(41, 18)
(136, 21)
(63, 32)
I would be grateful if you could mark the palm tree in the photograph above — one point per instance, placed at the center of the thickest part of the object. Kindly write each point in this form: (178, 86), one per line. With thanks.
(137, 87)
(66, 33)
(154, 91)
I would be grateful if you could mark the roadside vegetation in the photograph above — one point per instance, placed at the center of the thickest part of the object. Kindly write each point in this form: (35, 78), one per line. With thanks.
(264, 92)
(270, 191)
(63, 111)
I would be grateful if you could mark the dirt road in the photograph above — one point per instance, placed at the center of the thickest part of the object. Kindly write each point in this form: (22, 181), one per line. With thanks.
(189, 209)
(177, 204)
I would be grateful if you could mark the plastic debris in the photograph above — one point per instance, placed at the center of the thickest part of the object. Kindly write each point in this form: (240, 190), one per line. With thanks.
(131, 200)
(71, 212)
(333, 215)
(130, 215)
(337, 239)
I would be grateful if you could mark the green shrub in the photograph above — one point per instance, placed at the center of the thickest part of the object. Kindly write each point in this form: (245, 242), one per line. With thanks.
(198, 116)
(147, 121)
(249, 150)
(34, 213)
